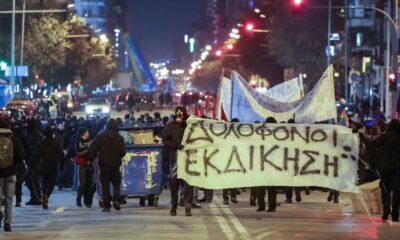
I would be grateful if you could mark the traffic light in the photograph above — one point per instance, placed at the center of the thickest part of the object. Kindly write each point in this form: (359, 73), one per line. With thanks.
(392, 81)
(297, 6)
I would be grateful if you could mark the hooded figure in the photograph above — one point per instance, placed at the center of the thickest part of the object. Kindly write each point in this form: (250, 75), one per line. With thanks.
(172, 139)
(109, 148)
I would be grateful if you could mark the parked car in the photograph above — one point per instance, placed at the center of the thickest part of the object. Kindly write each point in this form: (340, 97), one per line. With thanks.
(26, 105)
(97, 107)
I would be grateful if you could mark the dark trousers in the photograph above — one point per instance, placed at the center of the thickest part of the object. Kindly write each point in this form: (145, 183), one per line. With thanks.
(49, 178)
(271, 197)
(390, 182)
(20, 181)
(226, 192)
(110, 174)
(85, 188)
(64, 178)
(253, 195)
(33, 182)
(289, 192)
(208, 195)
(187, 192)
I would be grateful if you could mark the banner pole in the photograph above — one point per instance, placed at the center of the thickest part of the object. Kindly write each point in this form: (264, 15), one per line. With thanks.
(231, 113)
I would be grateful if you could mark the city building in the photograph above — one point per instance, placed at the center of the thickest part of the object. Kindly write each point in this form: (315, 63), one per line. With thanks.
(94, 11)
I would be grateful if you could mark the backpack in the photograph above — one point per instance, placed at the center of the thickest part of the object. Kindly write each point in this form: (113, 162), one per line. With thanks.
(6, 152)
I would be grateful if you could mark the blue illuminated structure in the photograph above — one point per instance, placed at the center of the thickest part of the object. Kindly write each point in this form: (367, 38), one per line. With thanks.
(142, 77)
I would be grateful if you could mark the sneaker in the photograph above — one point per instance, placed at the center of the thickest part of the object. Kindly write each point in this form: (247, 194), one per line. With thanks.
(385, 216)
(226, 201)
(88, 205)
(330, 197)
(188, 212)
(234, 200)
(18, 204)
(288, 200)
(335, 200)
(395, 218)
(78, 203)
(271, 210)
(106, 210)
(181, 202)
(44, 204)
(117, 206)
(260, 209)
(172, 212)
(196, 205)
(7, 227)
(298, 198)
(202, 200)
(32, 203)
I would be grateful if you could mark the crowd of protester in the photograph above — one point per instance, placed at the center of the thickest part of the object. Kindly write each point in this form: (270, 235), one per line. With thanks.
(60, 152)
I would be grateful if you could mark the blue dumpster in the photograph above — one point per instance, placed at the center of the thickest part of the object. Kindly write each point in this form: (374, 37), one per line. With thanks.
(141, 170)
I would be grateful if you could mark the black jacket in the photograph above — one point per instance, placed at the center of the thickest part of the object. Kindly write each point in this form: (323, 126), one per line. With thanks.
(108, 146)
(49, 154)
(173, 134)
(19, 154)
(389, 154)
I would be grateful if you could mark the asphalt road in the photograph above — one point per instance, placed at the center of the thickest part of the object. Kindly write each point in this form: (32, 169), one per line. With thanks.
(313, 218)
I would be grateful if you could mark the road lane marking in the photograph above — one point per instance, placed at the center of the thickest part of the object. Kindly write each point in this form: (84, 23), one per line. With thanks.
(244, 234)
(226, 229)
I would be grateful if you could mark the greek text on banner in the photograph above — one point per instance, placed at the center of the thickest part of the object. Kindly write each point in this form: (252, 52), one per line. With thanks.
(219, 155)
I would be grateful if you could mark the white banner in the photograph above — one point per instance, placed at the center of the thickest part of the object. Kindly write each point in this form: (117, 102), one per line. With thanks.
(220, 155)
(318, 105)
(224, 99)
(288, 91)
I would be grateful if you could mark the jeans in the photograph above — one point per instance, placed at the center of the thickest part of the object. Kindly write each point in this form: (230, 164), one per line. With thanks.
(85, 184)
(7, 190)
(271, 197)
(110, 174)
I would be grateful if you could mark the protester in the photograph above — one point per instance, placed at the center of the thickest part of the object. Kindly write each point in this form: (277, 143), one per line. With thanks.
(272, 191)
(11, 155)
(172, 140)
(109, 148)
(49, 157)
(85, 170)
(388, 165)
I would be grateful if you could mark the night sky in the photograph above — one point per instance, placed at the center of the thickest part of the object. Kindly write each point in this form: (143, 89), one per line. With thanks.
(157, 25)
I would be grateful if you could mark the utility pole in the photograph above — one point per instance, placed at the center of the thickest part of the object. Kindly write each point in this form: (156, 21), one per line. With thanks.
(387, 65)
(12, 52)
(346, 58)
(328, 55)
(21, 60)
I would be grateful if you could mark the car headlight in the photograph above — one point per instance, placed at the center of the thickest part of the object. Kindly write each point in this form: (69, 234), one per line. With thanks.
(70, 105)
(106, 109)
(89, 110)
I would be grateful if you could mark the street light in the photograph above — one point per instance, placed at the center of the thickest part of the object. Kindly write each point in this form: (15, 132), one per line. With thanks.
(249, 27)
(103, 38)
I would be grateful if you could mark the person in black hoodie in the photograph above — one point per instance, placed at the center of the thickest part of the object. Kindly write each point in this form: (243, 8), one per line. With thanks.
(33, 175)
(11, 152)
(172, 140)
(18, 131)
(109, 148)
(388, 165)
(49, 156)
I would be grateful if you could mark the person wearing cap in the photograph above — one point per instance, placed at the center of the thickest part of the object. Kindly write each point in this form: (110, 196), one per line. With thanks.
(109, 149)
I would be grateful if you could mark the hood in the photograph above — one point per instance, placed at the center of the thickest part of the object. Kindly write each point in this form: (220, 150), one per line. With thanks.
(6, 132)
(112, 126)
